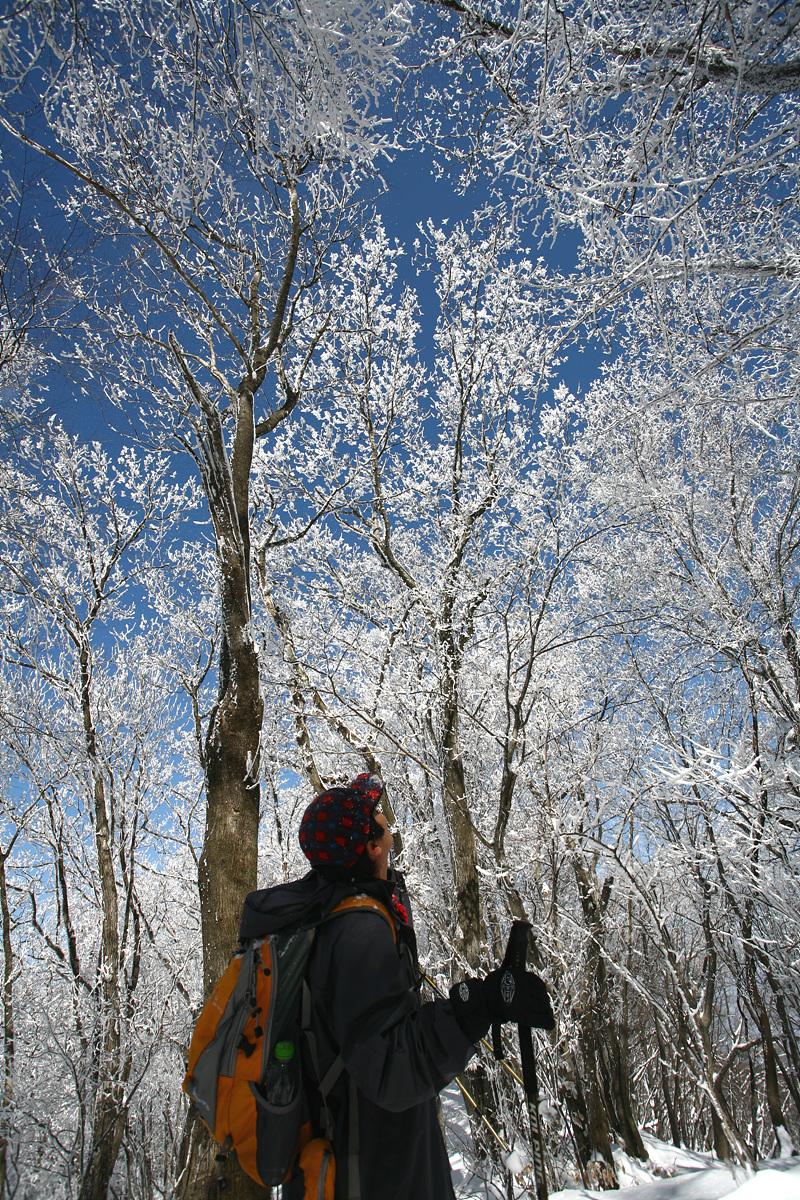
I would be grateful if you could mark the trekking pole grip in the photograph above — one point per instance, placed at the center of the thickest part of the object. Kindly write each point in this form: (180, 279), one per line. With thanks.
(517, 949)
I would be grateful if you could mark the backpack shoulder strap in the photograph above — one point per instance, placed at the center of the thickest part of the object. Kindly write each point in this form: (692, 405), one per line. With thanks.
(363, 904)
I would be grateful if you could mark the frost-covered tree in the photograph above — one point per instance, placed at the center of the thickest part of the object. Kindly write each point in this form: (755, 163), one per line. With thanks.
(562, 627)
(428, 476)
(91, 732)
(667, 140)
(217, 150)
(429, 623)
(706, 527)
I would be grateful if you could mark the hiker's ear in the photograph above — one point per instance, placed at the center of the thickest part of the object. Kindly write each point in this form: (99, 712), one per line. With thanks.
(373, 850)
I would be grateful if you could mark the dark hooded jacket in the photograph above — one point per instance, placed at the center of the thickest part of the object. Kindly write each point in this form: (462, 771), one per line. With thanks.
(398, 1053)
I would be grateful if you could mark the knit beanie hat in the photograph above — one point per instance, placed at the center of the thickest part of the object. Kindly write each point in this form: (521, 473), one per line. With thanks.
(335, 827)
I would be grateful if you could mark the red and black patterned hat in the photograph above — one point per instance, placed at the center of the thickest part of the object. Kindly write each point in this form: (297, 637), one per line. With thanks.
(335, 826)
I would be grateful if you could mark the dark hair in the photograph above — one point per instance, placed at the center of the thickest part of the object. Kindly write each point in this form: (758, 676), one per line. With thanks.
(364, 867)
(376, 831)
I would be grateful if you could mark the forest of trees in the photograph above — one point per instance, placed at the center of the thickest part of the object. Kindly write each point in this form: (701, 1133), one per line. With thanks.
(291, 538)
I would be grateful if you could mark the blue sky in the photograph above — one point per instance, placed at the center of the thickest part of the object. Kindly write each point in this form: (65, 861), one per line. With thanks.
(415, 192)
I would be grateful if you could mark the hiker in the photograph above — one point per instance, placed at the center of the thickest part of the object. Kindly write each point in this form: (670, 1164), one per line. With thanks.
(396, 1052)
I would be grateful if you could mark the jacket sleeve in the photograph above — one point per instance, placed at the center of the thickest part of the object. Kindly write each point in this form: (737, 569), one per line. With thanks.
(399, 1052)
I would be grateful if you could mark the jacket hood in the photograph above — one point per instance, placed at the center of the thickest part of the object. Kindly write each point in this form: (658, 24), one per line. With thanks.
(307, 901)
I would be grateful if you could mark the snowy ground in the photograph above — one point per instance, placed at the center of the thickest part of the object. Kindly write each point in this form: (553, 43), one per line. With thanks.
(684, 1174)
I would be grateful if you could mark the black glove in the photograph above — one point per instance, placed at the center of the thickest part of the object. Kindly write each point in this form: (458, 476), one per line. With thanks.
(501, 996)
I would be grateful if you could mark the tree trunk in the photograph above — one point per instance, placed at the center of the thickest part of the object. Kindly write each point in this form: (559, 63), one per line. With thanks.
(789, 1041)
(727, 1136)
(572, 1096)
(228, 866)
(108, 1128)
(229, 859)
(108, 1117)
(672, 1116)
(228, 863)
(595, 1008)
(482, 1091)
(759, 1008)
(761, 1014)
(200, 1169)
(722, 1147)
(600, 1168)
(772, 1087)
(8, 1020)
(463, 851)
(623, 1105)
(629, 1129)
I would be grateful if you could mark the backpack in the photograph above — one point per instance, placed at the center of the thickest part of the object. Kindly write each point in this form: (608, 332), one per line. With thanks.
(262, 999)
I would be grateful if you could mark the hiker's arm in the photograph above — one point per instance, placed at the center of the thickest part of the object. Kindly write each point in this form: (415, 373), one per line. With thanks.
(398, 1053)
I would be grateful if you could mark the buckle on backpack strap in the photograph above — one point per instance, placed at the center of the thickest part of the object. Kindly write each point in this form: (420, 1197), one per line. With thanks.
(221, 1159)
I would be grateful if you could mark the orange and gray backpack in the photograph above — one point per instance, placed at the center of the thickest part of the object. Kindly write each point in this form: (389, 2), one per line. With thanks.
(245, 1070)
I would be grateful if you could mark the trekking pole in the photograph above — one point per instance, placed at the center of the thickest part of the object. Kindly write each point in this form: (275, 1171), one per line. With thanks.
(513, 968)
(529, 1083)
(479, 1112)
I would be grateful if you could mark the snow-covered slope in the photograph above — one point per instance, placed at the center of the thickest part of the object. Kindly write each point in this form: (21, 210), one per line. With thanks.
(774, 1181)
(669, 1173)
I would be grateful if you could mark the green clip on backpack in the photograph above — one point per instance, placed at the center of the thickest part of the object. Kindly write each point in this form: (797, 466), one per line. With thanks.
(257, 1008)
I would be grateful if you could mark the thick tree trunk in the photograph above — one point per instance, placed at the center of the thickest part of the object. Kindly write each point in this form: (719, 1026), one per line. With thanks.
(791, 1074)
(772, 1087)
(722, 1147)
(626, 1125)
(600, 1168)
(228, 862)
(227, 869)
(482, 1091)
(758, 1006)
(108, 1128)
(620, 1049)
(200, 1170)
(727, 1136)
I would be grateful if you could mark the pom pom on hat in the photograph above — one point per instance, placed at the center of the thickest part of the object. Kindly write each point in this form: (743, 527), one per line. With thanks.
(335, 827)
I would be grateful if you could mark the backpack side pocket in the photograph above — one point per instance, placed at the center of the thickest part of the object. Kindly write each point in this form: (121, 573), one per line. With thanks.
(269, 1153)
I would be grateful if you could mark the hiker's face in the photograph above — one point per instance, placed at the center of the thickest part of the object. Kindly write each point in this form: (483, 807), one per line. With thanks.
(379, 851)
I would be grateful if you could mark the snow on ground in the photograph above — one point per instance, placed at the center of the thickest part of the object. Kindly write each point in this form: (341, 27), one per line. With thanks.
(774, 1181)
(696, 1177)
(771, 1183)
(689, 1176)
